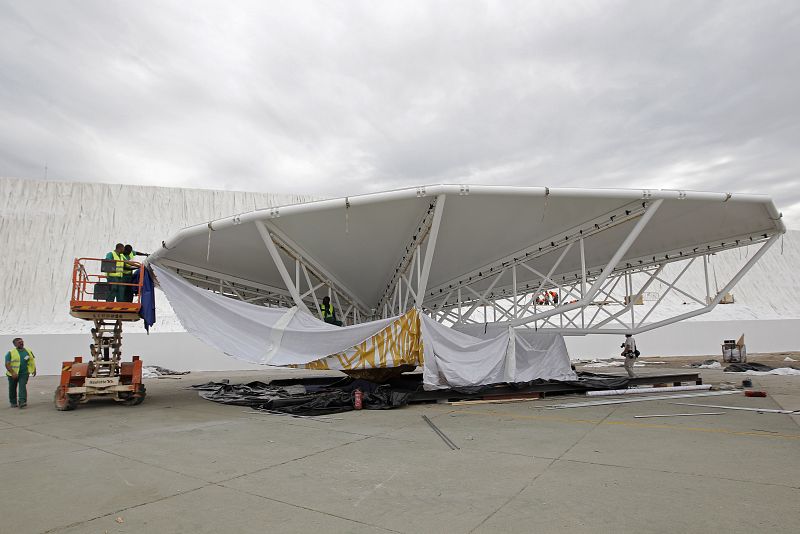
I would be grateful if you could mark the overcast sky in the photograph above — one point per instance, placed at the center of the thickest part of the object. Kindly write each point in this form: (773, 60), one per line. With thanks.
(338, 98)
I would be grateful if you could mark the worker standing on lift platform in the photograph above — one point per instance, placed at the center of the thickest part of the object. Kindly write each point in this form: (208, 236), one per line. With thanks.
(131, 272)
(116, 292)
(127, 272)
(20, 365)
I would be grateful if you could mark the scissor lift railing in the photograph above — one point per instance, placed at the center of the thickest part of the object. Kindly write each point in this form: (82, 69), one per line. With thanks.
(90, 292)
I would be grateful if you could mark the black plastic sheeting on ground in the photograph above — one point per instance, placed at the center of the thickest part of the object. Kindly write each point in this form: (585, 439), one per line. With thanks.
(312, 397)
(586, 380)
(302, 399)
(742, 367)
(704, 362)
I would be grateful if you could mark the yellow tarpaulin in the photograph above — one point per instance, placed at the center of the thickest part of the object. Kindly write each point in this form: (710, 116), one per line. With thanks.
(397, 344)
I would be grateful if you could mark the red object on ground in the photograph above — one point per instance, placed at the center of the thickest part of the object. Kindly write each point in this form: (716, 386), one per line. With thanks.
(755, 393)
(357, 399)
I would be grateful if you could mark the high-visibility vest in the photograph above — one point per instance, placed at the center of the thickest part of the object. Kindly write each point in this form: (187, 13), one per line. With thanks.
(127, 269)
(326, 313)
(120, 264)
(15, 361)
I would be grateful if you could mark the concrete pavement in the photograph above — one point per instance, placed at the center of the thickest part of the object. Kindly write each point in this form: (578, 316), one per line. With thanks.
(178, 463)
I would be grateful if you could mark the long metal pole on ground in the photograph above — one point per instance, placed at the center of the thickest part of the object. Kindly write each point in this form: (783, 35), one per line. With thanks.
(640, 391)
(764, 410)
(640, 399)
(676, 414)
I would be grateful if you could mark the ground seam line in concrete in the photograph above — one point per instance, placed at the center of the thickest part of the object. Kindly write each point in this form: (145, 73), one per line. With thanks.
(137, 460)
(291, 460)
(44, 456)
(91, 416)
(300, 424)
(795, 417)
(121, 510)
(632, 424)
(592, 429)
(306, 508)
(680, 473)
(512, 497)
(533, 480)
(288, 421)
(124, 440)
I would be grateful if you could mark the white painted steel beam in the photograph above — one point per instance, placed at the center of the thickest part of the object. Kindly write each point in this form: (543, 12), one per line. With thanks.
(430, 249)
(316, 267)
(254, 286)
(276, 258)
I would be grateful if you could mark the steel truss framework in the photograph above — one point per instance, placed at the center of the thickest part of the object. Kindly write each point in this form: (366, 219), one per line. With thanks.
(588, 299)
(599, 301)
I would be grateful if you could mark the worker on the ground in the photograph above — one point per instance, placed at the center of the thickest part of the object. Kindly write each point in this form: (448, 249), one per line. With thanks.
(20, 365)
(328, 312)
(116, 292)
(630, 353)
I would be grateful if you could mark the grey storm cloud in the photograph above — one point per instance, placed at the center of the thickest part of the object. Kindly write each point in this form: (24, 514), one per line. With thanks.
(345, 97)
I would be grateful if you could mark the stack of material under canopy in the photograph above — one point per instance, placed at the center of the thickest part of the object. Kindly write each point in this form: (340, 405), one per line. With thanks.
(291, 337)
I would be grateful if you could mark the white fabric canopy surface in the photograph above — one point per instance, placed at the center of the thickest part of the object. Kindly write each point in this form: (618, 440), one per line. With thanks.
(268, 336)
(359, 240)
(279, 336)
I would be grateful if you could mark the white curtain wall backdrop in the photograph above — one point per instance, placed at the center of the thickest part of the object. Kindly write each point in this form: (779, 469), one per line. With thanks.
(280, 337)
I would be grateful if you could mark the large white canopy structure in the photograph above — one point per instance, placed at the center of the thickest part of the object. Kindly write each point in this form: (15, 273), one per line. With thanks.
(455, 251)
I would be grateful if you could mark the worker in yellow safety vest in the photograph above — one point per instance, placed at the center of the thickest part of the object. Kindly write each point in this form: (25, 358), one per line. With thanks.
(328, 313)
(116, 291)
(20, 365)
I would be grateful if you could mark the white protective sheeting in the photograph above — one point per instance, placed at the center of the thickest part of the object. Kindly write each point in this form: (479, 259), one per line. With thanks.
(455, 359)
(269, 336)
(280, 336)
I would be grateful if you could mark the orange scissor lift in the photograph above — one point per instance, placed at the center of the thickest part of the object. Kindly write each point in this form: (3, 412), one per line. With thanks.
(105, 375)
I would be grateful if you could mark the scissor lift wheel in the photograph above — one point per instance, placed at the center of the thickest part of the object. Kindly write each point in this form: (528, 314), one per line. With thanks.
(65, 402)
